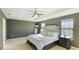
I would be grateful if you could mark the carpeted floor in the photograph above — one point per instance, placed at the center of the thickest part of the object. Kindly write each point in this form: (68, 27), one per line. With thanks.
(20, 44)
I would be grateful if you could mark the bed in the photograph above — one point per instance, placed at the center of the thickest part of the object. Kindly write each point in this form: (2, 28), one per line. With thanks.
(43, 41)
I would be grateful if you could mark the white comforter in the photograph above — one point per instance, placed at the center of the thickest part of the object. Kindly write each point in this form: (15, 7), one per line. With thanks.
(40, 41)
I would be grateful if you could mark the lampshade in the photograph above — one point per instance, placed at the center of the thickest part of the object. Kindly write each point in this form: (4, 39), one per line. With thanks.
(36, 25)
(36, 16)
(42, 25)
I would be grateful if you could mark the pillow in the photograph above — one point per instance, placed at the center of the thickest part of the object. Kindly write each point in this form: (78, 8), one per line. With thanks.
(49, 33)
(44, 33)
(53, 28)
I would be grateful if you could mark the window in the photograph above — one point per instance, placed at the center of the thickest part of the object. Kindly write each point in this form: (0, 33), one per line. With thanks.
(67, 28)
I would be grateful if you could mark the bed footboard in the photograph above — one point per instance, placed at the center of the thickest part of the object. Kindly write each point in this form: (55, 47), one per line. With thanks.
(45, 47)
(32, 45)
(50, 45)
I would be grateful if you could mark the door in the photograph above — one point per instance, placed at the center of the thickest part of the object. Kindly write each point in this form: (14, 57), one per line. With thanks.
(4, 30)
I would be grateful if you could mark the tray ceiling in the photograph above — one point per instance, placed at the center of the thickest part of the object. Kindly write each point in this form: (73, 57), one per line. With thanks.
(26, 13)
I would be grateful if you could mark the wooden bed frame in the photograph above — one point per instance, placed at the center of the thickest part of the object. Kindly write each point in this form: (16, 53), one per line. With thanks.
(45, 47)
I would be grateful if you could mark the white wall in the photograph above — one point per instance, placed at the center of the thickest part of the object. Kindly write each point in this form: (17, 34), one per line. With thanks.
(4, 30)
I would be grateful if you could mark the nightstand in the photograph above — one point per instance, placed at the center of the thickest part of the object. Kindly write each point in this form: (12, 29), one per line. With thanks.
(64, 42)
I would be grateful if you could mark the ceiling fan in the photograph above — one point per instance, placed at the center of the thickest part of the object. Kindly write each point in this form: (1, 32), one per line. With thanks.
(36, 13)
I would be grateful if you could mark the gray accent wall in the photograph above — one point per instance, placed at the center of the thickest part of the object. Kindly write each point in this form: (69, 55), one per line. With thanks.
(75, 42)
(17, 28)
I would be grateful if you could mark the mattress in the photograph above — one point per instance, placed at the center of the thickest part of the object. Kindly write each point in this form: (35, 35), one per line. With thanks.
(40, 41)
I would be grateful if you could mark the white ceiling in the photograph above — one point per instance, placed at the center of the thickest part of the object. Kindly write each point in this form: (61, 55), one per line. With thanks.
(26, 13)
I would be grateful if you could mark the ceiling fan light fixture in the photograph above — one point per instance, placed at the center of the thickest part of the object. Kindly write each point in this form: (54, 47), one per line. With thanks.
(36, 16)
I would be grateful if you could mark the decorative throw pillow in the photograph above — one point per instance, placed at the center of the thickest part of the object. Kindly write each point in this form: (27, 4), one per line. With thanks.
(49, 33)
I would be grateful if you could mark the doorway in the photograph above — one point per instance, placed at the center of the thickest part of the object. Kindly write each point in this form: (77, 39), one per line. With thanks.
(4, 31)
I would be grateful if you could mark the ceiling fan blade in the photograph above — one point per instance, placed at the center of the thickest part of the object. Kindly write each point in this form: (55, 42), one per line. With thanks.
(35, 11)
(40, 14)
(33, 15)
